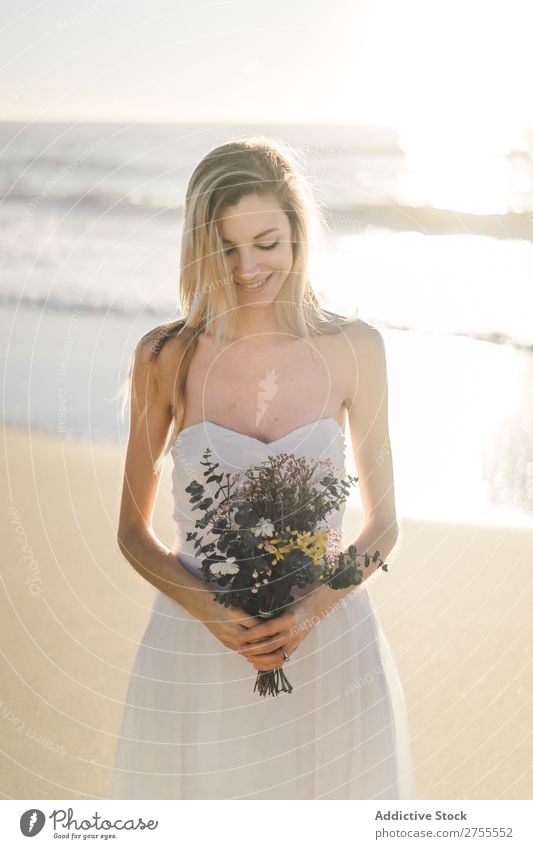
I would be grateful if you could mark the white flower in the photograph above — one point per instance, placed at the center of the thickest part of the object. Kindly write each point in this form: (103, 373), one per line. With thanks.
(255, 573)
(228, 567)
(265, 528)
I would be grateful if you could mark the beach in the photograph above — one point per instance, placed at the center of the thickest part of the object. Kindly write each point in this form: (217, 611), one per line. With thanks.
(455, 606)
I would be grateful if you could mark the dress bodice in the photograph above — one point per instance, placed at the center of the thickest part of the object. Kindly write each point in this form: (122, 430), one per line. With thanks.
(234, 451)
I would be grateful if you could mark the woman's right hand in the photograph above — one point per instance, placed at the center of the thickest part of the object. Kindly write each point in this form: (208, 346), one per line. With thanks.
(227, 623)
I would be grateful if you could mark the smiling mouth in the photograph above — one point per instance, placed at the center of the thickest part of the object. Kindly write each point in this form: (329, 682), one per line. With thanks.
(255, 287)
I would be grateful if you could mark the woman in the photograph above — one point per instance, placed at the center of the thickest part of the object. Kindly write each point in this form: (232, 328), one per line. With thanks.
(254, 368)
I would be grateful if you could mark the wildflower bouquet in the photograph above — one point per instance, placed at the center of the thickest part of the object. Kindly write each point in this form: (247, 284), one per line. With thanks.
(264, 533)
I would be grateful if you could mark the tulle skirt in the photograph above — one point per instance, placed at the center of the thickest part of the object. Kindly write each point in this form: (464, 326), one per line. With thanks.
(193, 728)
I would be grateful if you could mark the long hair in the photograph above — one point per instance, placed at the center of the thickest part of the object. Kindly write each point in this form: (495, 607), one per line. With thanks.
(208, 298)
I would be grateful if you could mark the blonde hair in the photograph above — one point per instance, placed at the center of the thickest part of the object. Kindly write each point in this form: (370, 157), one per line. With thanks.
(208, 298)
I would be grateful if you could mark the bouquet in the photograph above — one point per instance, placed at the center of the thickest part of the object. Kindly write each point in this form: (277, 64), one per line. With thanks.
(263, 532)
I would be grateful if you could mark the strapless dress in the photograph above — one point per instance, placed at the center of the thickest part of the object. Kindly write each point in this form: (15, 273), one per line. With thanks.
(192, 726)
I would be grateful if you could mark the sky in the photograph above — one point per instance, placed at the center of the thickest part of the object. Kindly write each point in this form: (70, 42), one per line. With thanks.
(458, 67)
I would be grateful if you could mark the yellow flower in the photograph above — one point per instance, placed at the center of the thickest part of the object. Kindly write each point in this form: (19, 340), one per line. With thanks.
(312, 543)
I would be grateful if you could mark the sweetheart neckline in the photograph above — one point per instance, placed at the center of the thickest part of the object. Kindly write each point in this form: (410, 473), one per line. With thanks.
(261, 441)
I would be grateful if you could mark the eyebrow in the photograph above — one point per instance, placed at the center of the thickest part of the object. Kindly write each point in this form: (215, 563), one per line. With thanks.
(264, 233)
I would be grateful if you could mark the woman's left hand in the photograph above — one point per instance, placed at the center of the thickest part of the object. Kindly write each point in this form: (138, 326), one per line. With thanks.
(261, 643)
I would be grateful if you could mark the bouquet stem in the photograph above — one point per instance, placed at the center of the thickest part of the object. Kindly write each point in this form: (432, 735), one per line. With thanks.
(273, 681)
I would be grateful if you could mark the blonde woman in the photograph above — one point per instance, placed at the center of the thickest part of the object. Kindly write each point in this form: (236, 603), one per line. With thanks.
(256, 367)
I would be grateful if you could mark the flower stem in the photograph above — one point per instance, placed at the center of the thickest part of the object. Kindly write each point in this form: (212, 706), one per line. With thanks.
(272, 682)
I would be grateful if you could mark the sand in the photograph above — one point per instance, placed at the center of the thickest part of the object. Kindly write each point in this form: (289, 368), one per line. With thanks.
(456, 607)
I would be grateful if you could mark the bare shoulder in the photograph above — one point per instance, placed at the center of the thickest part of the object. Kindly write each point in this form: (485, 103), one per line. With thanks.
(361, 356)
(358, 337)
(353, 330)
(159, 351)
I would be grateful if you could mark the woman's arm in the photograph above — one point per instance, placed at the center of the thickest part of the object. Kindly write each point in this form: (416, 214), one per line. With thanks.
(147, 439)
(161, 568)
(367, 407)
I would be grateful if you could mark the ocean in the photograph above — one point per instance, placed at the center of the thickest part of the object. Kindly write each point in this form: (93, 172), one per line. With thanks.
(89, 247)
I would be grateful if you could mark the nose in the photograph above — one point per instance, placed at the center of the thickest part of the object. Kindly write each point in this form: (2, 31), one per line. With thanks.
(246, 266)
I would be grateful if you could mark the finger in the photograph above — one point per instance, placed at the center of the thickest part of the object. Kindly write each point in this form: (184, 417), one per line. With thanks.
(243, 619)
(265, 646)
(266, 629)
(257, 658)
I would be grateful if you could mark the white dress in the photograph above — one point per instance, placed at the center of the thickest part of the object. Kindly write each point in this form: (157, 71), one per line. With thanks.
(192, 726)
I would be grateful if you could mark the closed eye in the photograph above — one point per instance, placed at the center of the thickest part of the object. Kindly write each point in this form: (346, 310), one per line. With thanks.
(261, 247)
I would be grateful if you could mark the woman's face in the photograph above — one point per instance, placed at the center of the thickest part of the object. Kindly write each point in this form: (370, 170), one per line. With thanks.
(256, 236)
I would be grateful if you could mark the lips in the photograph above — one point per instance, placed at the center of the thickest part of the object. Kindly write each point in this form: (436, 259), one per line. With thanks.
(256, 287)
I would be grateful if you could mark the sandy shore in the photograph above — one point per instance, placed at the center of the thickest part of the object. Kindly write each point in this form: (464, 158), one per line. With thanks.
(456, 607)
